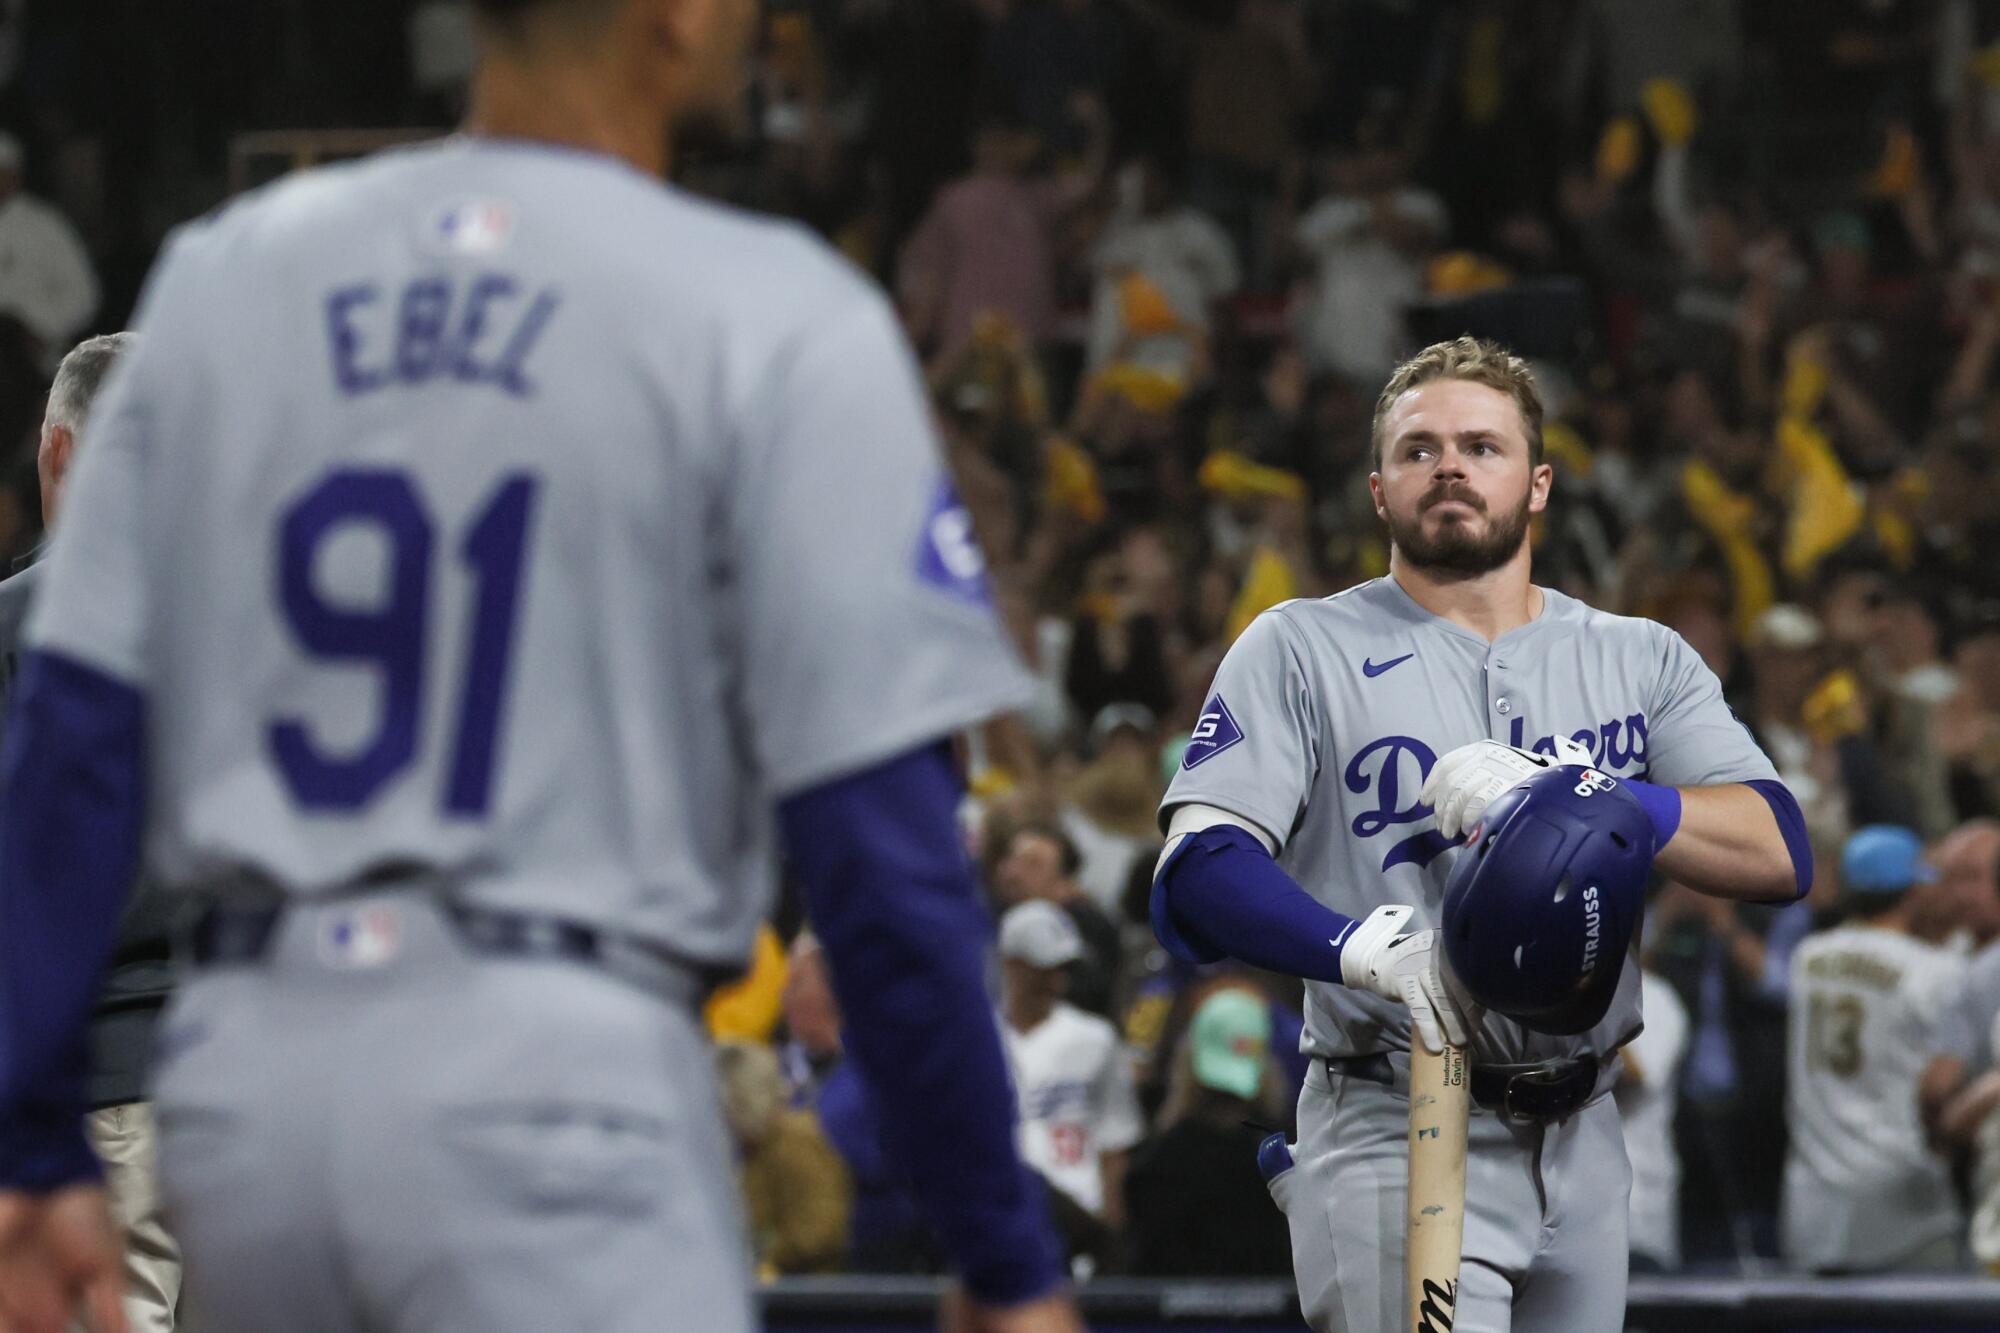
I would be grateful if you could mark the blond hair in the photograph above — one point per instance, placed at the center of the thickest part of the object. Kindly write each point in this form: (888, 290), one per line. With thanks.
(1475, 360)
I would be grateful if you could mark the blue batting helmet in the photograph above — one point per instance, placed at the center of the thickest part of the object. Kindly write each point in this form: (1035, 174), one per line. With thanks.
(1545, 897)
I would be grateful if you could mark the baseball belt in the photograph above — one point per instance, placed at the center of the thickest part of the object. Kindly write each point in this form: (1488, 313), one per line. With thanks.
(233, 932)
(1535, 1093)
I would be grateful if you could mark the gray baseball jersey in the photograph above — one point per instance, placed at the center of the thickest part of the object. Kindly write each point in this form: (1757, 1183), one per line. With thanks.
(1862, 1189)
(494, 507)
(1326, 717)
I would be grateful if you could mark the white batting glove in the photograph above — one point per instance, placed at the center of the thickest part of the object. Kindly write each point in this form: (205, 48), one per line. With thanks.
(1467, 779)
(1382, 957)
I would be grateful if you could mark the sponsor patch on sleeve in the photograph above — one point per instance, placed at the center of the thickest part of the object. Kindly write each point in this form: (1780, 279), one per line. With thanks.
(948, 556)
(1215, 732)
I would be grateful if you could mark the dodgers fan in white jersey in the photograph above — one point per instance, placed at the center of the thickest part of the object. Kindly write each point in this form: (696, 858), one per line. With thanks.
(1863, 1193)
(1346, 747)
(1079, 1112)
(487, 559)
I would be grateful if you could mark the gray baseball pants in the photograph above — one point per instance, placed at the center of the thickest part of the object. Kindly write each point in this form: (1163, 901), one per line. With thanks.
(372, 1130)
(1545, 1215)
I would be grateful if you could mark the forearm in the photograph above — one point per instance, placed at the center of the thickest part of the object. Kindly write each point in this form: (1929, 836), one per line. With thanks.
(1111, 1170)
(1218, 893)
(892, 900)
(1967, 1110)
(1730, 843)
(1941, 1080)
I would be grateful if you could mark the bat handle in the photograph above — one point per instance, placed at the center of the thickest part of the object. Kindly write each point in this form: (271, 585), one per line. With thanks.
(1440, 1101)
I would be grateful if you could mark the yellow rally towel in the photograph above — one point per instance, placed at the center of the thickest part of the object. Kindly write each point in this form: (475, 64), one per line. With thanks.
(747, 1009)
(1072, 480)
(1145, 309)
(1804, 386)
(1893, 518)
(1235, 477)
(1565, 448)
(1826, 506)
(1618, 149)
(1897, 174)
(1463, 273)
(1146, 389)
(1669, 110)
(1266, 582)
(1835, 708)
(1726, 516)
(1985, 64)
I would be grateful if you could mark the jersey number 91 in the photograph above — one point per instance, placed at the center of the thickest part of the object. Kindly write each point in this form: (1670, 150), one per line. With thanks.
(395, 635)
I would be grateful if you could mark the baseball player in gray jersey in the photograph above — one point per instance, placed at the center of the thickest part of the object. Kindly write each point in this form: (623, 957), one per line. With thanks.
(1346, 747)
(486, 560)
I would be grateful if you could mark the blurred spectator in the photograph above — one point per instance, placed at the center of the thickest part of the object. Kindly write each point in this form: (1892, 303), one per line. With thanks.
(1160, 266)
(1110, 808)
(1968, 862)
(1197, 1202)
(1039, 862)
(1959, 1087)
(1970, 723)
(1249, 77)
(1367, 243)
(1863, 1193)
(986, 248)
(1729, 962)
(47, 282)
(795, 1190)
(1647, 1096)
(1078, 1115)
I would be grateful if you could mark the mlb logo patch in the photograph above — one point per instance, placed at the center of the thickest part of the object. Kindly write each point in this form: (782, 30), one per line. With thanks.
(474, 227)
(1214, 732)
(361, 937)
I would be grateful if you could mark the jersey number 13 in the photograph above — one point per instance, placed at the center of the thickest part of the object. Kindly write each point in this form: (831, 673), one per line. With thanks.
(394, 635)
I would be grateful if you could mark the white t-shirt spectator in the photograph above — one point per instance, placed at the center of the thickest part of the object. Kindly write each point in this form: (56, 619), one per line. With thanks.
(46, 279)
(1353, 321)
(1646, 1103)
(1075, 1088)
(1187, 256)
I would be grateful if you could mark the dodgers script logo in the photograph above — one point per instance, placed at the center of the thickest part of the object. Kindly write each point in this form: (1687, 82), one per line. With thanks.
(1392, 770)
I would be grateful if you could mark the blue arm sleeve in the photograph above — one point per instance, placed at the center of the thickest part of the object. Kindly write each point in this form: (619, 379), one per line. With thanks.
(1792, 824)
(73, 769)
(1220, 893)
(892, 898)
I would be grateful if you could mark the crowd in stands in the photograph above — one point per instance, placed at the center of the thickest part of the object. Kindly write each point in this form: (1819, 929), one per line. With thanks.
(1157, 260)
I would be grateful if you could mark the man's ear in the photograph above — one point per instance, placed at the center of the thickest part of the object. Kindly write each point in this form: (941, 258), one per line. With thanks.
(1538, 488)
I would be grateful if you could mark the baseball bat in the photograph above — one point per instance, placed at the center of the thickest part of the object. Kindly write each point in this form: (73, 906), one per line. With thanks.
(1439, 1103)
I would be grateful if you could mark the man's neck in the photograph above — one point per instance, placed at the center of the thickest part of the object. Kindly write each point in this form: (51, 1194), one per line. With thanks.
(1026, 1013)
(1896, 920)
(570, 104)
(1488, 604)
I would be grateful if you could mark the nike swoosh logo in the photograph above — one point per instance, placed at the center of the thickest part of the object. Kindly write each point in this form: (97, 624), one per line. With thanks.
(1372, 670)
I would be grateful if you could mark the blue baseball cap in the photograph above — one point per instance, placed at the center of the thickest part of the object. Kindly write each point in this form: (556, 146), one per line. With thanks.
(1884, 858)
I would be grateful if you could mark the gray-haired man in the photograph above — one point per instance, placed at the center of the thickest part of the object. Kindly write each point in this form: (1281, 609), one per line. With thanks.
(135, 991)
